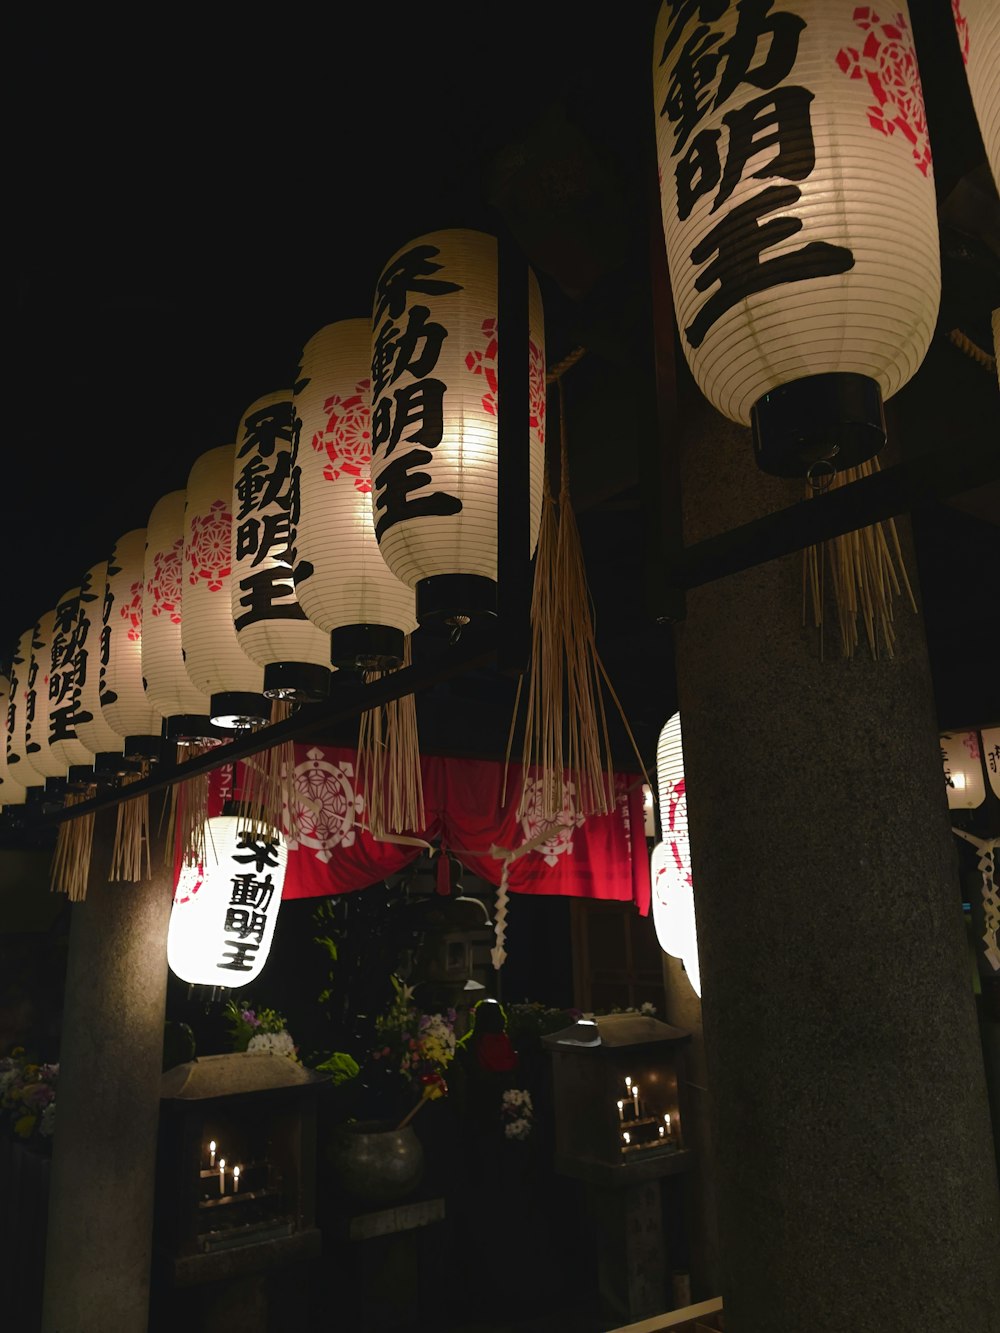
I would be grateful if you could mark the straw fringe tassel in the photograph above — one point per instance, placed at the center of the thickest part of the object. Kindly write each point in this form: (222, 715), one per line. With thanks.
(187, 812)
(131, 846)
(71, 860)
(268, 803)
(389, 762)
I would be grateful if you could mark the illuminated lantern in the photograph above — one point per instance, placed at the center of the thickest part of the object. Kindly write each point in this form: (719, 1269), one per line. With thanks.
(341, 581)
(799, 217)
(434, 394)
(36, 722)
(124, 703)
(670, 868)
(978, 25)
(11, 791)
(991, 757)
(961, 759)
(65, 688)
(213, 658)
(272, 628)
(19, 761)
(168, 686)
(224, 911)
(92, 728)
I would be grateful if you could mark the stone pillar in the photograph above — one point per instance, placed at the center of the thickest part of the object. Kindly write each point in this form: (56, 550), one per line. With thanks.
(856, 1182)
(104, 1159)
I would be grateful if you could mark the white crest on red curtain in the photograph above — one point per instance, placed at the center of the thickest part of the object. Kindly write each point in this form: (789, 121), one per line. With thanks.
(328, 805)
(210, 548)
(165, 585)
(888, 61)
(533, 824)
(347, 438)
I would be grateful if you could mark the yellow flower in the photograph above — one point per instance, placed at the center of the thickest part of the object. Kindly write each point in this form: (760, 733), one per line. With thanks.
(24, 1126)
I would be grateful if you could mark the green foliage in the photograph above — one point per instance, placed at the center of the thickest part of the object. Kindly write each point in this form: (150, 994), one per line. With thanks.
(341, 1066)
(247, 1022)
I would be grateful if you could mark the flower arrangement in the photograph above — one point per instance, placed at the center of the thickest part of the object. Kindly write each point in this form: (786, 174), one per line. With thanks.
(259, 1030)
(518, 1113)
(416, 1045)
(28, 1098)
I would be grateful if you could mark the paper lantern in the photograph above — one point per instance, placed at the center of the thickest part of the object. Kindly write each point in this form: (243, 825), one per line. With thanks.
(799, 217)
(961, 759)
(11, 791)
(92, 728)
(670, 867)
(124, 703)
(341, 581)
(272, 628)
(991, 757)
(168, 686)
(978, 25)
(434, 386)
(224, 911)
(36, 715)
(65, 689)
(215, 662)
(20, 762)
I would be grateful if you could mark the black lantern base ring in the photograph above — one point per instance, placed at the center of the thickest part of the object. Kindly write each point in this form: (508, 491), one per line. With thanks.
(298, 682)
(113, 764)
(55, 790)
(239, 710)
(190, 729)
(80, 777)
(144, 747)
(453, 600)
(818, 424)
(367, 647)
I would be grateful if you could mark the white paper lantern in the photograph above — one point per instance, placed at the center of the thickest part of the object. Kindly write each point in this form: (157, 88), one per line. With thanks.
(670, 868)
(799, 217)
(168, 686)
(11, 791)
(434, 420)
(341, 581)
(224, 912)
(19, 701)
(273, 629)
(214, 660)
(92, 728)
(36, 720)
(64, 688)
(124, 702)
(978, 25)
(963, 769)
(991, 757)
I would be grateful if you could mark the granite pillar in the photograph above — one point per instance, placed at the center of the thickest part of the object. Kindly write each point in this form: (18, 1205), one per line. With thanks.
(856, 1182)
(101, 1202)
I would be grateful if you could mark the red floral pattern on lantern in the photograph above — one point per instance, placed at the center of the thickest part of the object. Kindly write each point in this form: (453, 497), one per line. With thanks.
(132, 612)
(889, 63)
(347, 438)
(483, 361)
(962, 25)
(210, 549)
(164, 588)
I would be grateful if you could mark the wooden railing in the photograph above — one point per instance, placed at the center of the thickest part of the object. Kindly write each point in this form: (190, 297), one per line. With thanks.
(703, 1318)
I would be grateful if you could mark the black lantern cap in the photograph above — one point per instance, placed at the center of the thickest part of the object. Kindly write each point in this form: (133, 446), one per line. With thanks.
(81, 776)
(239, 710)
(820, 423)
(298, 682)
(55, 789)
(191, 729)
(453, 600)
(143, 747)
(367, 647)
(113, 764)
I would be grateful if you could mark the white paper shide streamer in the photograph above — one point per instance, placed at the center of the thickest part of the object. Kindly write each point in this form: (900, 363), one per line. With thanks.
(434, 385)
(798, 211)
(224, 911)
(670, 869)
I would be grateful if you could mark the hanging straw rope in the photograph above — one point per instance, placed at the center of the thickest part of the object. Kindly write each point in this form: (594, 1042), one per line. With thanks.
(74, 844)
(131, 845)
(863, 570)
(389, 762)
(268, 800)
(566, 725)
(187, 812)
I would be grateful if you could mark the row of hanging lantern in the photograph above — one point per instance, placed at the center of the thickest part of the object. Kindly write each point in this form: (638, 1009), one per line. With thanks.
(799, 211)
(348, 511)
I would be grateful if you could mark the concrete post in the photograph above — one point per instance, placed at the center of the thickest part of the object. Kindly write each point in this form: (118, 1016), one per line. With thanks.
(104, 1158)
(856, 1181)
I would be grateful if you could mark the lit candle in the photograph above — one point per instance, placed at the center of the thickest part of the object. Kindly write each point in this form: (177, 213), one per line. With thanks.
(236, 1180)
(626, 1136)
(621, 1113)
(666, 1121)
(628, 1082)
(222, 1175)
(661, 1131)
(211, 1153)
(635, 1099)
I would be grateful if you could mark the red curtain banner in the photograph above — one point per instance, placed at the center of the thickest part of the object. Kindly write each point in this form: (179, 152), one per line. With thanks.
(603, 856)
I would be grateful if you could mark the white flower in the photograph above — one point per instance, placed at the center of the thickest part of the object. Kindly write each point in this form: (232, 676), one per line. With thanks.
(517, 1129)
(48, 1121)
(647, 1008)
(272, 1043)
